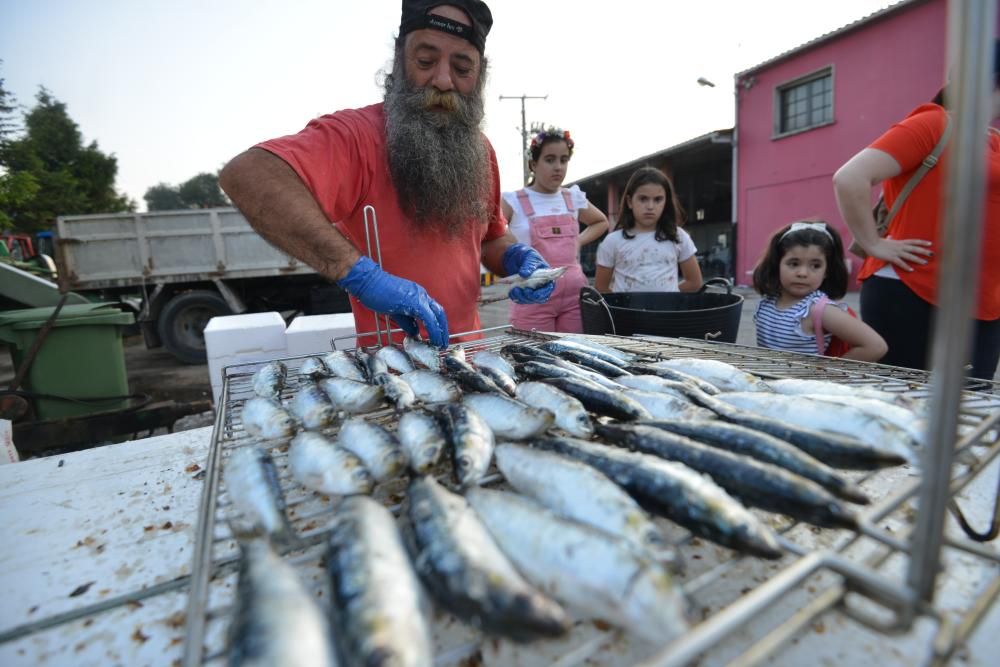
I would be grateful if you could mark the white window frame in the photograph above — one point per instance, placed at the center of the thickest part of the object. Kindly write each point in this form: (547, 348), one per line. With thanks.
(781, 88)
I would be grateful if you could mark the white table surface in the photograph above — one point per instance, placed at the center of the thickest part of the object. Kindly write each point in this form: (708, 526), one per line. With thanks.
(92, 525)
(89, 526)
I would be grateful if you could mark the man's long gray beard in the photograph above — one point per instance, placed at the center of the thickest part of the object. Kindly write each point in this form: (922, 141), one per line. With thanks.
(438, 159)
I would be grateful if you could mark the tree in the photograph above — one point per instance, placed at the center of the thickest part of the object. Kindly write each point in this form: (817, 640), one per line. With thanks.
(49, 171)
(163, 197)
(201, 191)
(8, 104)
(16, 188)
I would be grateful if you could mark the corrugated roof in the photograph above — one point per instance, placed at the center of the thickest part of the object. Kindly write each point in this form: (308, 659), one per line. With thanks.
(874, 16)
(709, 138)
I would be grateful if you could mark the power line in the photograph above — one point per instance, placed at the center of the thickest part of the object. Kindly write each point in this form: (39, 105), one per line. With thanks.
(524, 127)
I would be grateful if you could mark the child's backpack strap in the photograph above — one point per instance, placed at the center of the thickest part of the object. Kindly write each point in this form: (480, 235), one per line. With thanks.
(817, 315)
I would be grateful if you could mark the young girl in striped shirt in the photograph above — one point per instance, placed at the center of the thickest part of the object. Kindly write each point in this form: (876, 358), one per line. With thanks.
(803, 269)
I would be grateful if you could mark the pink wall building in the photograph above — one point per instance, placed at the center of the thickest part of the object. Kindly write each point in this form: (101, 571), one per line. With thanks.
(802, 114)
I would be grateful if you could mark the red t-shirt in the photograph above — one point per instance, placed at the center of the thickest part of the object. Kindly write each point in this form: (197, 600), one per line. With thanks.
(341, 158)
(909, 142)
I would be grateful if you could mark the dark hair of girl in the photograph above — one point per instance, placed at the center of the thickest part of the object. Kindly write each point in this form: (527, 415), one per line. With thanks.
(767, 273)
(547, 136)
(672, 216)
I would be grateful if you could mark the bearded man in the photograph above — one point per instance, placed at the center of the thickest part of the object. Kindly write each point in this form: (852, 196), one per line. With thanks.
(421, 161)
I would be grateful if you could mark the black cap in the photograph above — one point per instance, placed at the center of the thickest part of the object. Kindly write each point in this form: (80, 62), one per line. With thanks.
(416, 16)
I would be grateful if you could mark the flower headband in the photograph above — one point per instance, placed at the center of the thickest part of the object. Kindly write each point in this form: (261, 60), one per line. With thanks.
(551, 133)
(801, 226)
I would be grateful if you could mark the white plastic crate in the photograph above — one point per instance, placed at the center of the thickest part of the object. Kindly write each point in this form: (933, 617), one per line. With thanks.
(239, 339)
(311, 334)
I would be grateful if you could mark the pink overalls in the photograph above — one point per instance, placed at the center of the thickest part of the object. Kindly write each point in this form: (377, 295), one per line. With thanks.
(555, 238)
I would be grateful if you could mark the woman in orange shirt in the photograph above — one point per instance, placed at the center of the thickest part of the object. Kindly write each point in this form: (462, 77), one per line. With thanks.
(899, 277)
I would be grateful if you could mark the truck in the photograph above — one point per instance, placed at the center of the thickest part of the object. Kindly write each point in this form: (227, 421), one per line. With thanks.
(175, 270)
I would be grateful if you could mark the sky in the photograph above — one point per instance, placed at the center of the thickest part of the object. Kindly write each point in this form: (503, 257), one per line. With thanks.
(175, 88)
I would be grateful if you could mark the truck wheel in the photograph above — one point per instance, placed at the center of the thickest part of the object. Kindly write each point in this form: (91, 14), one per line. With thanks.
(183, 320)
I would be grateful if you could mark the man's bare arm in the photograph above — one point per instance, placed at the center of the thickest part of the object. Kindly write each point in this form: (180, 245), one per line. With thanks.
(281, 209)
(493, 253)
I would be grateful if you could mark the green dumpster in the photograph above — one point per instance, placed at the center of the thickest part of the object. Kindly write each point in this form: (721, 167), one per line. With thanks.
(80, 367)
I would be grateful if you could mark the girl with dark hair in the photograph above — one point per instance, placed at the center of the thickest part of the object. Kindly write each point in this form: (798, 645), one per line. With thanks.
(801, 271)
(646, 251)
(899, 276)
(547, 217)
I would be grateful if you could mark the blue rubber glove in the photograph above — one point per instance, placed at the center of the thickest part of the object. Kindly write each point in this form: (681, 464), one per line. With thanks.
(524, 260)
(403, 300)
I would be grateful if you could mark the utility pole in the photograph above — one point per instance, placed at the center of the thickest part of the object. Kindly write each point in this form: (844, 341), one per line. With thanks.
(524, 127)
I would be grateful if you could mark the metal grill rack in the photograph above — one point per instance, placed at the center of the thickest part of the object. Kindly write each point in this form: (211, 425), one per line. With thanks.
(854, 575)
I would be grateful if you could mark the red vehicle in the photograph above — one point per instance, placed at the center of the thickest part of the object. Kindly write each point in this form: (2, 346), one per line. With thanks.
(19, 246)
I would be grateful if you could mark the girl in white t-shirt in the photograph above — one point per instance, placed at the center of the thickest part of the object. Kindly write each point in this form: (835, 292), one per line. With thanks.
(646, 251)
(547, 217)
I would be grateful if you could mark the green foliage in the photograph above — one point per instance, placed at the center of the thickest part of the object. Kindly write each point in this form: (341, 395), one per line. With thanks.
(50, 172)
(163, 197)
(8, 104)
(201, 191)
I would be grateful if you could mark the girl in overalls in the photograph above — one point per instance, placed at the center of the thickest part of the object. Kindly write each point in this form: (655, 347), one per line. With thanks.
(547, 217)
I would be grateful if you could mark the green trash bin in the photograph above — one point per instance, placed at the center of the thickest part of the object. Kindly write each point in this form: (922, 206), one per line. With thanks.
(81, 359)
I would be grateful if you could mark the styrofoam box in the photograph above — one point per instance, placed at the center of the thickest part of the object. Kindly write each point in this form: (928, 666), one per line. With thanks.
(311, 334)
(240, 339)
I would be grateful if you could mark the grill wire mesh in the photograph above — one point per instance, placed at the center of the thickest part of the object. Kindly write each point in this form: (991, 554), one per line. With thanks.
(717, 580)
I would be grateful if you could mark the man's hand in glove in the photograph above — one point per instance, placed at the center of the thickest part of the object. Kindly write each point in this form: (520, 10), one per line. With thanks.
(520, 259)
(403, 300)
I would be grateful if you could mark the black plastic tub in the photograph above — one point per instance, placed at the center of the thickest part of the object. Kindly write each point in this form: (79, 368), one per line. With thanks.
(703, 315)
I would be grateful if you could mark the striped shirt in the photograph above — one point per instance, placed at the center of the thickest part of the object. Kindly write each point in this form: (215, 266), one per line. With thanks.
(781, 329)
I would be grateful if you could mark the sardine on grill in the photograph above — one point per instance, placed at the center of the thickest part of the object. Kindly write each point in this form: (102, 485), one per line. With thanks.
(471, 441)
(665, 406)
(599, 399)
(269, 379)
(312, 407)
(377, 608)
(767, 448)
(464, 569)
(265, 418)
(595, 574)
(466, 376)
(395, 358)
(830, 448)
(422, 353)
(500, 379)
(313, 369)
(422, 438)
(509, 418)
(562, 345)
(676, 492)
(487, 359)
(276, 621)
(847, 420)
(580, 492)
(321, 465)
(756, 483)
(345, 365)
(377, 448)
(431, 386)
(351, 396)
(396, 390)
(251, 481)
(725, 377)
(570, 415)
